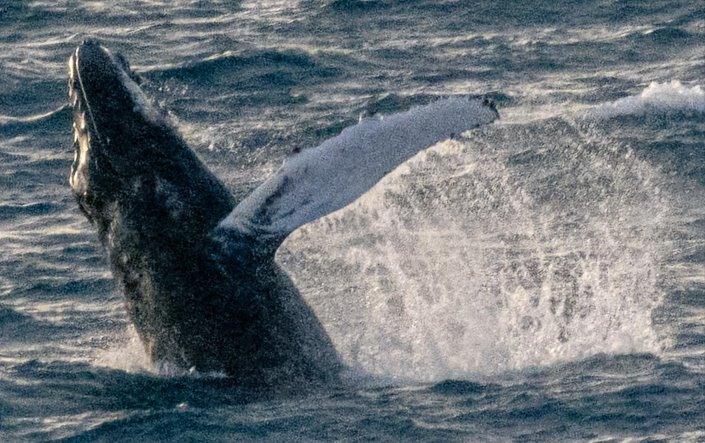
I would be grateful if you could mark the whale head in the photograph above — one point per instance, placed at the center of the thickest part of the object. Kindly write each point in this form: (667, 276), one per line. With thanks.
(129, 159)
(118, 134)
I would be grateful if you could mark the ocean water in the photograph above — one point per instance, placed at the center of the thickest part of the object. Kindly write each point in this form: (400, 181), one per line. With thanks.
(541, 278)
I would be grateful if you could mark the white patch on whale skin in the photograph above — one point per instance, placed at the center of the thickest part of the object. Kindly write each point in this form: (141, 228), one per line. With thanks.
(72, 70)
(82, 143)
(82, 122)
(77, 180)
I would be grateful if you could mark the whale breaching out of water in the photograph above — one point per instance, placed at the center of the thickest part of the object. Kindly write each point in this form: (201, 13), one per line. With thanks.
(197, 268)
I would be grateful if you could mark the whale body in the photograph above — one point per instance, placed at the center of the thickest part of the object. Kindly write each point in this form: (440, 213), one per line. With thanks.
(197, 268)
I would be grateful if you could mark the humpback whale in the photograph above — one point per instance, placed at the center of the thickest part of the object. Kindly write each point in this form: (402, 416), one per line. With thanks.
(197, 268)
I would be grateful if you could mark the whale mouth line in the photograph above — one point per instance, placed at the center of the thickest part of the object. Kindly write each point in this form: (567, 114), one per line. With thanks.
(77, 92)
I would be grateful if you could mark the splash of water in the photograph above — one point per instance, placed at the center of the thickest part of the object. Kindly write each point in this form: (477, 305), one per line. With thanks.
(129, 356)
(526, 245)
(657, 97)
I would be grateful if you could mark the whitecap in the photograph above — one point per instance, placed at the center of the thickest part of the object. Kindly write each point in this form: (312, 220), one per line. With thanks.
(672, 96)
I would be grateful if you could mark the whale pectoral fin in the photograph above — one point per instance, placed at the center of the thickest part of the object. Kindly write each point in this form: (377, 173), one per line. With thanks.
(321, 180)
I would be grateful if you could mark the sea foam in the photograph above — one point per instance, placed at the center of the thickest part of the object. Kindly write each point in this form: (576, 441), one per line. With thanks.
(672, 96)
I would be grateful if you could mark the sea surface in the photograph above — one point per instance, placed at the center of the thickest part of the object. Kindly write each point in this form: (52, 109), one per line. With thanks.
(541, 278)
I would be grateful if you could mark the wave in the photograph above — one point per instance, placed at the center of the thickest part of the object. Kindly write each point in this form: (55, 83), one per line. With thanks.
(56, 120)
(79, 399)
(662, 36)
(8, 210)
(673, 96)
(357, 5)
(21, 328)
(269, 67)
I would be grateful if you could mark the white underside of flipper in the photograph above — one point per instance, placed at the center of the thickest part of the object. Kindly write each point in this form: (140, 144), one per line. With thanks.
(323, 179)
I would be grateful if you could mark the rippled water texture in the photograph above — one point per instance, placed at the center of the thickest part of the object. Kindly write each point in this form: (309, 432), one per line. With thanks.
(539, 278)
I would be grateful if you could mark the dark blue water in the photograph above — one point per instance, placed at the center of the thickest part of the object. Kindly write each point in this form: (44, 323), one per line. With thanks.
(542, 278)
